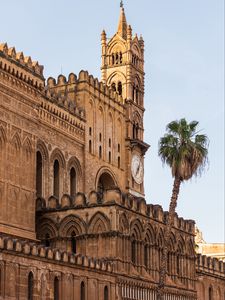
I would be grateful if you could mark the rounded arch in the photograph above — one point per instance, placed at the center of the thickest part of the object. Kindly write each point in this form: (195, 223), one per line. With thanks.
(71, 223)
(136, 229)
(74, 162)
(109, 178)
(58, 155)
(47, 227)
(41, 147)
(98, 223)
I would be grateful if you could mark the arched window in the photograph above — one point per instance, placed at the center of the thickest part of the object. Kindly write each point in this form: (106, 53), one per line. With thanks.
(110, 157)
(110, 142)
(39, 166)
(210, 293)
(56, 288)
(133, 252)
(47, 241)
(106, 293)
(146, 256)
(90, 131)
(100, 137)
(119, 148)
(120, 88)
(73, 242)
(90, 147)
(30, 286)
(82, 291)
(72, 182)
(56, 179)
(100, 152)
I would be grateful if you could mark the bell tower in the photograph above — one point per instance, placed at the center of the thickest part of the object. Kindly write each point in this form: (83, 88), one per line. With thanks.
(123, 70)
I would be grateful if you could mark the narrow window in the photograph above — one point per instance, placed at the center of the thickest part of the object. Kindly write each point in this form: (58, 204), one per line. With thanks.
(100, 137)
(100, 152)
(113, 59)
(47, 242)
(119, 148)
(178, 265)
(82, 291)
(56, 179)
(134, 131)
(210, 294)
(133, 254)
(113, 86)
(56, 288)
(72, 182)
(30, 286)
(110, 157)
(134, 93)
(106, 293)
(146, 256)
(90, 131)
(73, 243)
(90, 147)
(117, 58)
(121, 57)
(39, 174)
(168, 263)
(110, 142)
(118, 161)
(120, 89)
(137, 94)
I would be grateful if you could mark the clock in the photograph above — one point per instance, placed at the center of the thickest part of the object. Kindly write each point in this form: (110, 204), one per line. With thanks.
(137, 168)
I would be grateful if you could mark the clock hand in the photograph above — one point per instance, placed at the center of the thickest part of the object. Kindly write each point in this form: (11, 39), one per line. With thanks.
(138, 169)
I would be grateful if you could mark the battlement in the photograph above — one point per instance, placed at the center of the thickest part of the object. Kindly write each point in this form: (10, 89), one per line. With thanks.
(111, 197)
(39, 251)
(63, 86)
(21, 67)
(210, 265)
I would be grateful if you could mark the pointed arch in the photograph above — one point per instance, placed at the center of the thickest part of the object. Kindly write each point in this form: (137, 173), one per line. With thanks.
(124, 223)
(16, 141)
(99, 223)
(46, 226)
(150, 235)
(41, 147)
(136, 229)
(72, 223)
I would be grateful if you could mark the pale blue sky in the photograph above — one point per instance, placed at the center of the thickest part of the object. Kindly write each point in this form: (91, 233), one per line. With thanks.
(184, 63)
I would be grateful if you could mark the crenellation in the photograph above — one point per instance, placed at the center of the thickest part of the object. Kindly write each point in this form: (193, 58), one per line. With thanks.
(21, 67)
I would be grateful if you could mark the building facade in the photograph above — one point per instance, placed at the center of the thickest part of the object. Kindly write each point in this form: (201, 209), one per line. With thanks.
(74, 223)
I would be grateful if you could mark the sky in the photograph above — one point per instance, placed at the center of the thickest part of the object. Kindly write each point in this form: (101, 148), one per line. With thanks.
(184, 66)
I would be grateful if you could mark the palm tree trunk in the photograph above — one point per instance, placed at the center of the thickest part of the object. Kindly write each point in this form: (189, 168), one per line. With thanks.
(169, 224)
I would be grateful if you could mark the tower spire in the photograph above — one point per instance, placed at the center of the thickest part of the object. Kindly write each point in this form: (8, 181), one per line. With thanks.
(122, 27)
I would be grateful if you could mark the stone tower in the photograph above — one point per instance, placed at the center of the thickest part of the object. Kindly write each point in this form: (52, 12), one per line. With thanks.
(123, 70)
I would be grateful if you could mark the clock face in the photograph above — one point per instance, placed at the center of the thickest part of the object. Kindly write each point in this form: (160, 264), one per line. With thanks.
(137, 168)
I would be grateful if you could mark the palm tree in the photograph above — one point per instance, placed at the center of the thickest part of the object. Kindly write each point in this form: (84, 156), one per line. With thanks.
(185, 151)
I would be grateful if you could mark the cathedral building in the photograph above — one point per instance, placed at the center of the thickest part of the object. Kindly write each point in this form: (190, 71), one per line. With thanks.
(74, 222)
